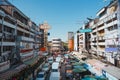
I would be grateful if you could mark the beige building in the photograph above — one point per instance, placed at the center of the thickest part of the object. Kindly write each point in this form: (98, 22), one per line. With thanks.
(56, 45)
(45, 26)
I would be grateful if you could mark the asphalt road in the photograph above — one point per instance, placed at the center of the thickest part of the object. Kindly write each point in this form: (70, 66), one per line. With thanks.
(62, 72)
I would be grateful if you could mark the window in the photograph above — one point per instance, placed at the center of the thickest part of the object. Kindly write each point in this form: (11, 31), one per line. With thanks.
(54, 70)
(115, 26)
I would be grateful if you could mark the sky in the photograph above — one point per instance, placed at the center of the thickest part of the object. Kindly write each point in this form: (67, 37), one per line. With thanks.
(62, 15)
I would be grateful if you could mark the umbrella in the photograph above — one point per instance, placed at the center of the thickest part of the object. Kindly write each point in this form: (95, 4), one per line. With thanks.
(79, 70)
(89, 77)
(78, 66)
(72, 61)
(77, 63)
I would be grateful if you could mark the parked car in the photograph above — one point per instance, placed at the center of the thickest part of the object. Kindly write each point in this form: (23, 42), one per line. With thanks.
(46, 67)
(50, 60)
(41, 76)
(55, 76)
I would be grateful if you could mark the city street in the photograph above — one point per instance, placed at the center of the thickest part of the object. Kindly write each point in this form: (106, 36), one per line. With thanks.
(59, 39)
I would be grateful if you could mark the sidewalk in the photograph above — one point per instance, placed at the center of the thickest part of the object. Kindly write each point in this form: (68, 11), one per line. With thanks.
(96, 65)
(12, 71)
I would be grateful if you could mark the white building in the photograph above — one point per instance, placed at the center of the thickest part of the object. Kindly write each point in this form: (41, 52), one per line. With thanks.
(56, 45)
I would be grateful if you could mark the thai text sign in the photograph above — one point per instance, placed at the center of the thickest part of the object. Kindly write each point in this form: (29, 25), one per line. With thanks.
(85, 30)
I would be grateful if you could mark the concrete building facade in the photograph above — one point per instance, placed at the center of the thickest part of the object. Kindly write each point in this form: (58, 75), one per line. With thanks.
(104, 40)
(56, 45)
(20, 38)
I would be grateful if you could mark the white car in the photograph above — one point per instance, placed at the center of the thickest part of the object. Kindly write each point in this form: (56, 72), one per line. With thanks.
(46, 67)
(41, 76)
(50, 60)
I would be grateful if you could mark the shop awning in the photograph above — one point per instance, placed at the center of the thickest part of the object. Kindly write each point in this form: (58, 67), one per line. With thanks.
(79, 70)
(111, 49)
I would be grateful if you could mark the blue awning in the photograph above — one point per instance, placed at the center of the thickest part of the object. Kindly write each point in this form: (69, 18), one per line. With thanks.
(111, 49)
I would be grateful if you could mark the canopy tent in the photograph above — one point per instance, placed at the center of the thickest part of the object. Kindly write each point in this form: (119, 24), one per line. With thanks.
(79, 70)
(78, 66)
(77, 63)
(89, 77)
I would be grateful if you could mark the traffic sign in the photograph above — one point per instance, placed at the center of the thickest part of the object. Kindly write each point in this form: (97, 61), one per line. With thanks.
(85, 30)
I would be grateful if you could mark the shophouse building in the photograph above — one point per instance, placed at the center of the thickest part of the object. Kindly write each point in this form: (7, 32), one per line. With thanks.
(81, 41)
(104, 40)
(56, 45)
(20, 41)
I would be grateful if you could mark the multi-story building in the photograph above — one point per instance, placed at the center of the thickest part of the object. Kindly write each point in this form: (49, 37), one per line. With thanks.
(7, 37)
(81, 41)
(20, 38)
(107, 32)
(104, 39)
(70, 41)
(45, 26)
(56, 45)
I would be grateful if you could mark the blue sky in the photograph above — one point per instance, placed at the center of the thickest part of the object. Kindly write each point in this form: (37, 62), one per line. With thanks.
(62, 15)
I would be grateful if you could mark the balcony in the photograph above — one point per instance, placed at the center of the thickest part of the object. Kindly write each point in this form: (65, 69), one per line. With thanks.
(101, 38)
(56, 42)
(111, 24)
(101, 43)
(2, 13)
(101, 28)
(25, 39)
(27, 56)
(32, 30)
(8, 43)
(23, 30)
(111, 16)
(8, 24)
(22, 24)
(100, 22)
(94, 31)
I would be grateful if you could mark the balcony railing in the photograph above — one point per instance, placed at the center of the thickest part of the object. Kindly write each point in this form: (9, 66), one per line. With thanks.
(8, 43)
(32, 30)
(27, 56)
(25, 39)
(22, 30)
(111, 23)
(22, 24)
(101, 43)
(8, 24)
